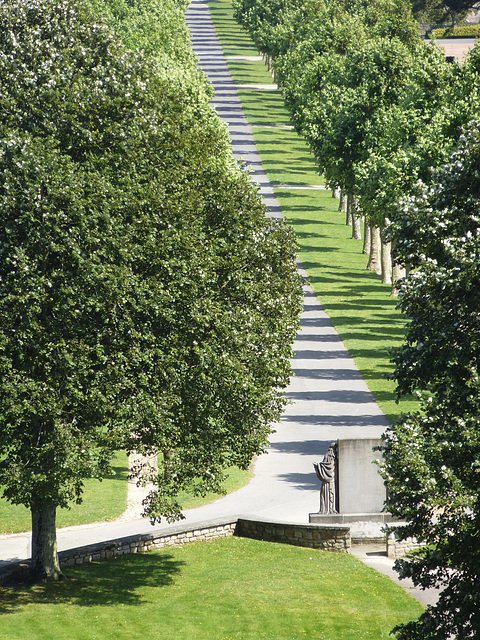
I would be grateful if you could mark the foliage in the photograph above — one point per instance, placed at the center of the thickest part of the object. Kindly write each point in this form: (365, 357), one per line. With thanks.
(101, 502)
(459, 31)
(341, 70)
(432, 457)
(439, 11)
(156, 27)
(146, 302)
(342, 100)
(409, 134)
(355, 300)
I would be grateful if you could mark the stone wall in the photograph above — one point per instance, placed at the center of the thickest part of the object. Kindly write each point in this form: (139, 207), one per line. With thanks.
(148, 542)
(328, 537)
(400, 548)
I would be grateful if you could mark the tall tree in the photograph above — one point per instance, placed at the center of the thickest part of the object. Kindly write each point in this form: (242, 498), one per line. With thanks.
(432, 457)
(145, 301)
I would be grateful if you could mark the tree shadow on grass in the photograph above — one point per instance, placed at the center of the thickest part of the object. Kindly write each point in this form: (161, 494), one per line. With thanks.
(108, 582)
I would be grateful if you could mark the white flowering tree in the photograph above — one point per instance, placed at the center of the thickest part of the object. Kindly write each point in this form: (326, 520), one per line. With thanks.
(146, 303)
(432, 457)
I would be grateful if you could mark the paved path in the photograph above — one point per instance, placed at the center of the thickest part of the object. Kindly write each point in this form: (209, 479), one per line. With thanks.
(456, 47)
(330, 400)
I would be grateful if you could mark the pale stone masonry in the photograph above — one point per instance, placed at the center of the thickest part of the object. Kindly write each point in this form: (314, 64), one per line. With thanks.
(326, 537)
(401, 548)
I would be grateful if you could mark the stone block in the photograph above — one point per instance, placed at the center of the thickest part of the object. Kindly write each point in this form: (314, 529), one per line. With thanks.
(360, 487)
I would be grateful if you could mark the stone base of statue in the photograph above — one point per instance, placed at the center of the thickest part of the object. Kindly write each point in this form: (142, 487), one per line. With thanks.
(364, 527)
(348, 518)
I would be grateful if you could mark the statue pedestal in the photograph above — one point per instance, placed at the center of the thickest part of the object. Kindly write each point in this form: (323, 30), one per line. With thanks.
(364, 527)
(361, 491)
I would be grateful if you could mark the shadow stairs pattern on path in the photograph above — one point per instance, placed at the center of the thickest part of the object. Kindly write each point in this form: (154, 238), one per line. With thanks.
(329, 398)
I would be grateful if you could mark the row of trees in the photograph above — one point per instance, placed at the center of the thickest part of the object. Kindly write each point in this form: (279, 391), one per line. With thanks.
(393, 123)
(146, 302)
(377, 106)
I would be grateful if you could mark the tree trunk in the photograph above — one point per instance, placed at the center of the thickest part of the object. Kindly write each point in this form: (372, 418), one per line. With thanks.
(386, 262)
(356, 230)
(398, 273)
(374, 263)
(367, 236)
(342, 205)
(45, 562)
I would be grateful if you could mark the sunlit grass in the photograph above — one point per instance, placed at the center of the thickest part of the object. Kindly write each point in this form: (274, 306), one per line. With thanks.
(106, 500)
(236, 479)
(286, 157)
(102, 501)
(358, 304)
(231, 588)
(234, 40)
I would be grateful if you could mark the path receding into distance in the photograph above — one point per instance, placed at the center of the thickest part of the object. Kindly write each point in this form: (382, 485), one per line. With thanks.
(330, 399)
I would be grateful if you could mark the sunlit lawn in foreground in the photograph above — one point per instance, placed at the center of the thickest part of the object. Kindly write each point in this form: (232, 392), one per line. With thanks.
(228, 589)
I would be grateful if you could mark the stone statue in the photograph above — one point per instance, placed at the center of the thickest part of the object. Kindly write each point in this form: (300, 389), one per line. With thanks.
(326, 472)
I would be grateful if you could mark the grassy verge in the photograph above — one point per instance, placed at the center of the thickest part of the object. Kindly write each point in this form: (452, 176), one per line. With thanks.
(236, 479)
(106, 500)
(102, 501)
(223, 590)
(359, 306)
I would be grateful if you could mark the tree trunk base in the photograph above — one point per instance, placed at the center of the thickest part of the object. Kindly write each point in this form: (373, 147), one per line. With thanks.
(45, 561)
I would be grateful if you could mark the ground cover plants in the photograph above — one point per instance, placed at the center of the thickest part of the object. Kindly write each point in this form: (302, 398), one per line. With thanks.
(229, 589)
(358, 304)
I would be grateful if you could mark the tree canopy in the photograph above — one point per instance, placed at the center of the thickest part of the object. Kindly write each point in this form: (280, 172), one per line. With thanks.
(388, 117)
(438, 11)
(146, 302)
(432, 457)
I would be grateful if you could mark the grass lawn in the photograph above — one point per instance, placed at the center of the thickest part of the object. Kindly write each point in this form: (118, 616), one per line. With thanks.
(237, 478)
(102, 501)
(228, 589)
(359, 306)
(106, 500)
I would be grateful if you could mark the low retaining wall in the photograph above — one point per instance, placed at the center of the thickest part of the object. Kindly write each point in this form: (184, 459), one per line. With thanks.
(327, 537)
(401, 548)
(148, 542)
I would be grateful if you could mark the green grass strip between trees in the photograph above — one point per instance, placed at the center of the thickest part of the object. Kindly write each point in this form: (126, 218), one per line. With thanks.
(360, 307)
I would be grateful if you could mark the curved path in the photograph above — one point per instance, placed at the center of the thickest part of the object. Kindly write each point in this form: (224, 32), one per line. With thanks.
(330, 400)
